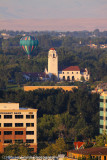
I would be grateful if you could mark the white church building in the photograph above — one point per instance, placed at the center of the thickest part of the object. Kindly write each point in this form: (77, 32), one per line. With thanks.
(70, 73)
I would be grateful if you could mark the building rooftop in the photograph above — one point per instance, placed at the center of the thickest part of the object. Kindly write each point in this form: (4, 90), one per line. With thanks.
(78, 144)
(104, 93)
(91, 151)
(72, 68)
(12, 106)
(52, 49)
(6, 106)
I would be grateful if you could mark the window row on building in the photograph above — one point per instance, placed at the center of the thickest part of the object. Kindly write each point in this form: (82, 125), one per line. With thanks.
(18, 125)
(18, 141)
(18, 132)
(18, 116)
(70, 72)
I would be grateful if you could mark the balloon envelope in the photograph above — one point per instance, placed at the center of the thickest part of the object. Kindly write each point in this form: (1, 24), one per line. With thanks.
(28, 43)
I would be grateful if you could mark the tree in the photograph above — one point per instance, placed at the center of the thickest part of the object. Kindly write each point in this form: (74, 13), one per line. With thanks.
(54, 149)
(82, 78)
(2, 84)
(88, 145)
(17, 149)
(101, 140)
(18, 78)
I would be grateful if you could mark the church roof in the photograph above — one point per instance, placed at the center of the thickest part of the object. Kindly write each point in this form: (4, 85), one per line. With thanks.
(72, 68)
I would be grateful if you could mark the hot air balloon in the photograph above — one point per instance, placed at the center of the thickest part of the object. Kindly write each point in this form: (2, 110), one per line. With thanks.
(28, 43)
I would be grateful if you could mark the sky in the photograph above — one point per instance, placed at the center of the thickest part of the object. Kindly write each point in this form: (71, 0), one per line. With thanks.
(54, 12)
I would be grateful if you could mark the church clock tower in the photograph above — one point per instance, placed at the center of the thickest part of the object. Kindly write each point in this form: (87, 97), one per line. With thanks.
(52, 63)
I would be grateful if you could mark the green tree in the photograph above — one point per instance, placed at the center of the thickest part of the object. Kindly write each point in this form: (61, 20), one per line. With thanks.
(17, 149)
(101, 140)
(54, 149)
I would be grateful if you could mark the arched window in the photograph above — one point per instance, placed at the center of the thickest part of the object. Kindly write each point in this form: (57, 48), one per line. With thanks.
(53, 55)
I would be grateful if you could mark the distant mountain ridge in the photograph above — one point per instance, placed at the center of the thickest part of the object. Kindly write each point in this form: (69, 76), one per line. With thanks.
(54, 24)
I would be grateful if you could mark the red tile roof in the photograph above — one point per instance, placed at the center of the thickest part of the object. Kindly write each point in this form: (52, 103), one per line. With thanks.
(72, 68)
(78, 144)
(91, 151)
(52, 49)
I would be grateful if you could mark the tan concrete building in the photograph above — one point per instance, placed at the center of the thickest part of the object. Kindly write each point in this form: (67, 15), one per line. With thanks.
(66, 88)
(17, 125)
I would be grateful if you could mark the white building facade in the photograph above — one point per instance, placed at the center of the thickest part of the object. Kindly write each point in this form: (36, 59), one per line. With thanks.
(72, 73)
(52, 63)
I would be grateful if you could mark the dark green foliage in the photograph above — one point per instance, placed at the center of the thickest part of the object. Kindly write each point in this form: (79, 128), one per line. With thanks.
(88, 145)
(70, 52)
(60, 113)
(17, 149)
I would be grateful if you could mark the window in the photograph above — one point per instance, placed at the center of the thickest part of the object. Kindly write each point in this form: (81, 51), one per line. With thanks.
(53, 55)
(0, 116)
(18, 116)
(29, 140)
(0, 132)
(77, 72)
(72, 73)
(18, 124)
(67, 72)
(7, 132)
(7, 116)
(18, 140)
(64, 78)
(29, 116)
(8, 141)
(101, 117)
(7, 124)
(29, 132)
(101, 100)
(68, 78)
(29, 124)
(63, 72)
(101, 109)
(101, 126)
(18, 132)
(72, 78)
(0, 124)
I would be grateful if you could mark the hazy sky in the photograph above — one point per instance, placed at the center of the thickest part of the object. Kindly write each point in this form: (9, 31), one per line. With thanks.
(53, 9)
(19, 9)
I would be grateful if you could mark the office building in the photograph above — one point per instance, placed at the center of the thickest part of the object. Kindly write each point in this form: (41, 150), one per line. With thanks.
(103, 112)
(17, 125)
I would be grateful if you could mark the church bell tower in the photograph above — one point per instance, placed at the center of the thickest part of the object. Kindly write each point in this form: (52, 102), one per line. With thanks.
(52, 63)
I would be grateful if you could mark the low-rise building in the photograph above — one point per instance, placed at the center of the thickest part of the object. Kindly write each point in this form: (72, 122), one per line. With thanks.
(99, 152)
(66, 88)
(73, 73)
(78, 145)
